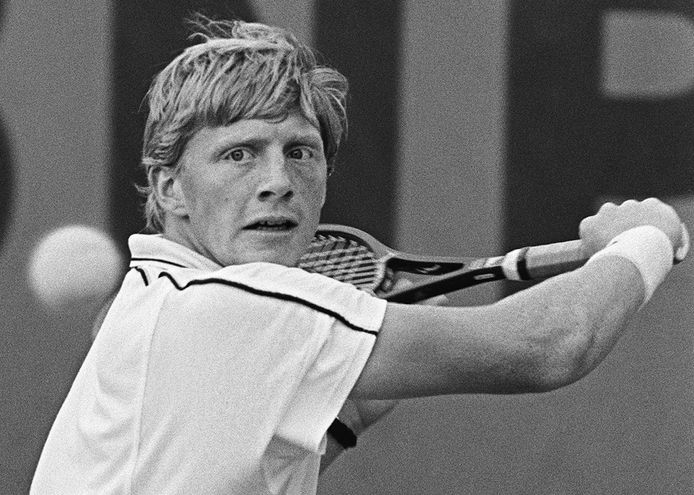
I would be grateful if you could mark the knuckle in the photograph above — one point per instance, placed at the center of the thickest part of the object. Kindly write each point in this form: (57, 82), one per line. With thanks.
(586, 226)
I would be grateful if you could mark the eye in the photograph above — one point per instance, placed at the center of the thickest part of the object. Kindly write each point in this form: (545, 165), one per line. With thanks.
(236, 155)
(300, 153)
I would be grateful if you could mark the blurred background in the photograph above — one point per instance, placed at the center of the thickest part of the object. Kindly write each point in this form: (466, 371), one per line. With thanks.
(476, 127)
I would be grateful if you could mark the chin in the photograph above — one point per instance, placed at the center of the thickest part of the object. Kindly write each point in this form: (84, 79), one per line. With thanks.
(286, 259)
(289, 260)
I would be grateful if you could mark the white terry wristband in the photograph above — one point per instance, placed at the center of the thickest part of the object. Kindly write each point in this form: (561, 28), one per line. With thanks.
(648, 248)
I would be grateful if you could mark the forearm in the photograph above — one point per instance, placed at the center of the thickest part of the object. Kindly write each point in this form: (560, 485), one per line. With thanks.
(546, 336)
(598, 300)
(581, 317)
(538, 339)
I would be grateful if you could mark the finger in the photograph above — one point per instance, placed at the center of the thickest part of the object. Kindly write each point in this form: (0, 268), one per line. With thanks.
(608, 206)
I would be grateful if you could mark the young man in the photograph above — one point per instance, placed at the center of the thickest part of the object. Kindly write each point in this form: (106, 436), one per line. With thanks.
(219, 367)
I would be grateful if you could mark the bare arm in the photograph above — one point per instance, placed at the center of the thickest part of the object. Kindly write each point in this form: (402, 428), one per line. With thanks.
(539, 339)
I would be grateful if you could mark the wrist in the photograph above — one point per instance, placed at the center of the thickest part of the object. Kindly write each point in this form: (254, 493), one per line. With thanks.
(648, 248)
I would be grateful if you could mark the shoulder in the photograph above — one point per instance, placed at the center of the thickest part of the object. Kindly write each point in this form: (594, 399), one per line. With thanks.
(268, 286)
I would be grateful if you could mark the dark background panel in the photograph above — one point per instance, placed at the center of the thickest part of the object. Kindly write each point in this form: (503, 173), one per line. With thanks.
(6, 182)
(6, 187)
(362, 40)
(569, 145)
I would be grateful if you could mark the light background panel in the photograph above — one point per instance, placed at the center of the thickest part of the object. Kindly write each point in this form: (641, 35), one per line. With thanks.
(451, 146)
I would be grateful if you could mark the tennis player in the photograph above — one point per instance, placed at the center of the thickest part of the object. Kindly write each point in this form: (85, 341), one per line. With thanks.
(220, 368)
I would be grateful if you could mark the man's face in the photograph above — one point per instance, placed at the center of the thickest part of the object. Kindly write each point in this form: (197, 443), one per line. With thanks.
(252, 191)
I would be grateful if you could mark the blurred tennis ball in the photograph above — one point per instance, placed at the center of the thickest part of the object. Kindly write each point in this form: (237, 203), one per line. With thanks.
(74, 266)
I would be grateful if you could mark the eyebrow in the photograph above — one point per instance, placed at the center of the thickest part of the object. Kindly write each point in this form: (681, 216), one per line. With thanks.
(308, 138)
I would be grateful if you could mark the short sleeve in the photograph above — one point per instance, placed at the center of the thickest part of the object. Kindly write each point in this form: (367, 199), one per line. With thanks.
(345, 333)
(326, 383)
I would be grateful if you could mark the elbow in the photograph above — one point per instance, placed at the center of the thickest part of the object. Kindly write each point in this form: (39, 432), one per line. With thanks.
(559, 354)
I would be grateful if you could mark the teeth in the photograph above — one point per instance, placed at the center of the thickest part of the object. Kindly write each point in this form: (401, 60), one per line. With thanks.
(274, 224)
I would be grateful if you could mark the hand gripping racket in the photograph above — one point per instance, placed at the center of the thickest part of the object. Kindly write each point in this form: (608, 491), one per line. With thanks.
(350, 255)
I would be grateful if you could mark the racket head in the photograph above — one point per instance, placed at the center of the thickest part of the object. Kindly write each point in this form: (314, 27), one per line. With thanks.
(349, 255)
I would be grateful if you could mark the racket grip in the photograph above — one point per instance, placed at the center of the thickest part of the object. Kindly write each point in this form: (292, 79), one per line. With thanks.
(547, 260)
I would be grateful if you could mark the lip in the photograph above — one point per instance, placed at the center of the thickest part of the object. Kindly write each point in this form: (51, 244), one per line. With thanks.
(272, 224)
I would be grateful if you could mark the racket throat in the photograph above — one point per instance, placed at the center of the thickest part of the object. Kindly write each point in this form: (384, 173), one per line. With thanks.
(443, 284)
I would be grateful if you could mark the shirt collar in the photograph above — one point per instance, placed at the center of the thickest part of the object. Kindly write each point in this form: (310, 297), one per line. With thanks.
(154, 248)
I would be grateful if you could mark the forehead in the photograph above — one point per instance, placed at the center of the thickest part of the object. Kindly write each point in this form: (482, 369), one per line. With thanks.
(292, 126)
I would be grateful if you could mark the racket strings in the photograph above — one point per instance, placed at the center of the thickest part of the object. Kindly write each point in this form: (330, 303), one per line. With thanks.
(342, 259)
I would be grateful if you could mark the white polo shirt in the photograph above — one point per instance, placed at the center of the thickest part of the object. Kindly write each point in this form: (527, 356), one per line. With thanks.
(209, 380)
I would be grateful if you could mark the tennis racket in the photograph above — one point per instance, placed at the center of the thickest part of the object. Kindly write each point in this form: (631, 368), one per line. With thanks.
(350, 255)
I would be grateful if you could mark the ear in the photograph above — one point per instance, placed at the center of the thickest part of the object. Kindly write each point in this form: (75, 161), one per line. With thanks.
(330, 171)
(167, 188)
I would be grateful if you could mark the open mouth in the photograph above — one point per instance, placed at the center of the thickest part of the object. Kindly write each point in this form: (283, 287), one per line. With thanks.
(272, 225)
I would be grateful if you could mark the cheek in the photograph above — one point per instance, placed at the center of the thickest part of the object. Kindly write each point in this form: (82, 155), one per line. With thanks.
(204, 199)
(315, 198)
(317, 187)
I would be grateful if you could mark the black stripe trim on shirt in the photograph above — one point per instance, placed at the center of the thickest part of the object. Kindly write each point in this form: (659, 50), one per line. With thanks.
(159, 260)
(276, 295)
(142, 273)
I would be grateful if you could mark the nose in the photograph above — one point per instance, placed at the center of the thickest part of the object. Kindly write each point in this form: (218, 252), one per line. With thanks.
(276, 181)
